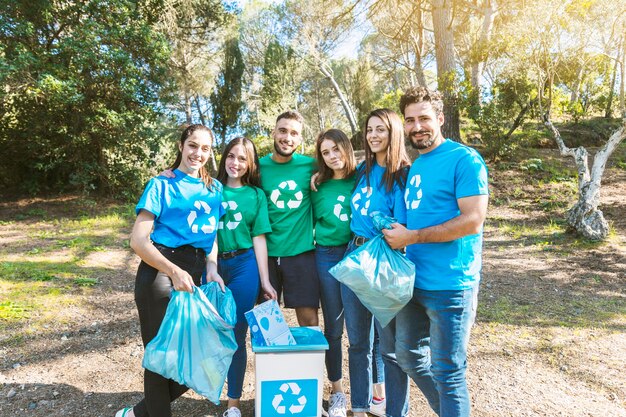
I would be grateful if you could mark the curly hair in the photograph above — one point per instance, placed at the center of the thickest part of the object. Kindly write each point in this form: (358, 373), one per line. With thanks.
(418, 94)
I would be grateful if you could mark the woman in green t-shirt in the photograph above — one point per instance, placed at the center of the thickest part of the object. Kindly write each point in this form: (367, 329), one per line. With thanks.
(331, 215)
(242, 256)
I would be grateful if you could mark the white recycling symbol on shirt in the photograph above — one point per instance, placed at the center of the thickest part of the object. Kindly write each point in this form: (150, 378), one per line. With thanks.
(415, 182)
(277, 402)
(193, 216)
(338, 208)
(286, 185)
(367, 192)
(237, 216)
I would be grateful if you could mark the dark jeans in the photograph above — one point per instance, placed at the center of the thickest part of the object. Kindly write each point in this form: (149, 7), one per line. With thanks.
(152, 294)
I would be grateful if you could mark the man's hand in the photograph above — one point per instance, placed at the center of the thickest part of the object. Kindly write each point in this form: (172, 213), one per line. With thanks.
(313, 184)
(399, 236)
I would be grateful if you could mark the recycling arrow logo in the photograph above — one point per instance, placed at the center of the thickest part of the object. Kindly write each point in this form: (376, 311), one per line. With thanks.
(195, 218)
(296, 406)
(338, 209)
(415, 182)
(231, 213)
(366, 193)
(286, 194)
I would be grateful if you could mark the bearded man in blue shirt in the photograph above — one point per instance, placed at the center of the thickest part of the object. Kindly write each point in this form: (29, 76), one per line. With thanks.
(446, 199)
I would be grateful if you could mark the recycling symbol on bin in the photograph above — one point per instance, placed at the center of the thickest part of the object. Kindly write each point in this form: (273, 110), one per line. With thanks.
(289, 389)
(415, 182)
(356, 200)
(287, 186)
(195, 218)
(236, 216)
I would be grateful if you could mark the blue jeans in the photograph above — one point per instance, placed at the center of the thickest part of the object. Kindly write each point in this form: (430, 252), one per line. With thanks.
(332, 307)
(429, 337)
(241, 276)
(360, 328)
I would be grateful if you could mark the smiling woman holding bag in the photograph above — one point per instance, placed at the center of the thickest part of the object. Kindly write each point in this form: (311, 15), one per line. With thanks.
(175, 237)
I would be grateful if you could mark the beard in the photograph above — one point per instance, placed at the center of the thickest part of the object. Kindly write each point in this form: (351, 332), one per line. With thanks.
(281, 152)
(423, 144)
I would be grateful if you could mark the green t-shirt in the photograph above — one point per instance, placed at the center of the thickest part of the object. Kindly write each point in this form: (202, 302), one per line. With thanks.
(245, 217)
(331, 211)
(289, 204)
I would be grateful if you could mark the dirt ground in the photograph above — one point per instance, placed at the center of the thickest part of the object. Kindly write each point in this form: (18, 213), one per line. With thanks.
(543, 344)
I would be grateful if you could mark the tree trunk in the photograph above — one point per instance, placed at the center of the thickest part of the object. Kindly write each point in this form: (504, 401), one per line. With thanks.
(446, 66)
(202, 120)
(576, 89)
(188, 108)
(584, 216)
(489, 12)
(608, 111)
(342, 98)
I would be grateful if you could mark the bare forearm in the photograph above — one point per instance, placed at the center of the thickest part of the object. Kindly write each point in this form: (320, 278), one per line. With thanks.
(462, 225)
(260, 252)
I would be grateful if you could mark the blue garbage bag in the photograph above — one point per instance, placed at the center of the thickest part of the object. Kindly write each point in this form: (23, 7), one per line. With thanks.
(381, 277)
(196, 342)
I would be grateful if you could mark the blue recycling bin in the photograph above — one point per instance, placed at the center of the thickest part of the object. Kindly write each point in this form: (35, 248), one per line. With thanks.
(290, 378)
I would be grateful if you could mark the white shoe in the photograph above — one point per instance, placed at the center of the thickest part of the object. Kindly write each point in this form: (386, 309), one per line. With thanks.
(232, 412)
(378, 409)
(124, 412)
(337, 405)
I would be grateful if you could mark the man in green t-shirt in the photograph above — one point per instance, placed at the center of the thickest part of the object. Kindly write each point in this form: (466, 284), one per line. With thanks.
(285, 177)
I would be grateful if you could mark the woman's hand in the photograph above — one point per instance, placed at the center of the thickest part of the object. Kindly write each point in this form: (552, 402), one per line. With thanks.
(269, 293)
(314, 178)
(213, 276)
(181, 280)
(168, 173)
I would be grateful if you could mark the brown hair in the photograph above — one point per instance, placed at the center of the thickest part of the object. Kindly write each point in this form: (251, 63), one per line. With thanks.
(396, 160)
(418, 94)
(291, 114)
(190, 130)
(252, 175)
(345, 148)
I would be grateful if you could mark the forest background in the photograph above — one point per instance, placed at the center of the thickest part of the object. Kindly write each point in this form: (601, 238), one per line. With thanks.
(94, 94)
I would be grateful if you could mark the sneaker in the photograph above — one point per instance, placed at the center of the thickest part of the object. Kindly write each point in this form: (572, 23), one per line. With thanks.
(232, 412)
(337, 405)
(378, 408)
(124, 412)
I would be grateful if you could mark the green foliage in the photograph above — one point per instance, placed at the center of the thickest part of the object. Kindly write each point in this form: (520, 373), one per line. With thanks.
(79, 95)
(226, 97)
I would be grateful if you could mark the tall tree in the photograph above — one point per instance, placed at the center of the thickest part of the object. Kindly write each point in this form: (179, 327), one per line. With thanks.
(226, 97)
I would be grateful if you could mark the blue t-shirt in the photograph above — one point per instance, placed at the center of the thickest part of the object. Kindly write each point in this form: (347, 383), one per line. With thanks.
(186, 211)
(367, 200)
(436, 181)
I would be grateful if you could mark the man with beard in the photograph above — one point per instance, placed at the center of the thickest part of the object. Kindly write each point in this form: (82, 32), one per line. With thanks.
(285, 177)
(446, 199)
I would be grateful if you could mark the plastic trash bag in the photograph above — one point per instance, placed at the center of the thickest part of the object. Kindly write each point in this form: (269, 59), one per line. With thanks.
(381, 277)
(196, 342)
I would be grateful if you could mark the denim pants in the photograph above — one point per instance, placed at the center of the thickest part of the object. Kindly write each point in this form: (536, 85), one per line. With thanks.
(332, 306)
(241, 276)
(152, 295)
(360, 328)
(429, 337)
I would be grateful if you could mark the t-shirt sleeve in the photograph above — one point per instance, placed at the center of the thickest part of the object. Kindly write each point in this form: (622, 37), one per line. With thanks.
(261, 221)
(471, 176)
(399, 206)
(152, 198)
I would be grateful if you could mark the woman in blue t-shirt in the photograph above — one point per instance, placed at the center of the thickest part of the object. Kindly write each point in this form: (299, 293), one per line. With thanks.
(242, 257)
(175, 237)
(380, 184)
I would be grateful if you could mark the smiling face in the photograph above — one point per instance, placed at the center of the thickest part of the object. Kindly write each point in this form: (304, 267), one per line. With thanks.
(422, 126)
(236, 162)
(287, 137)
(195, 152)
(333, 157)
(377, 135)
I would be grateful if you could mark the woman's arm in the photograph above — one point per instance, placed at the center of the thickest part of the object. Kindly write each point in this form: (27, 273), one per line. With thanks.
(211, 267)
(141, 244)
(260, 251)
